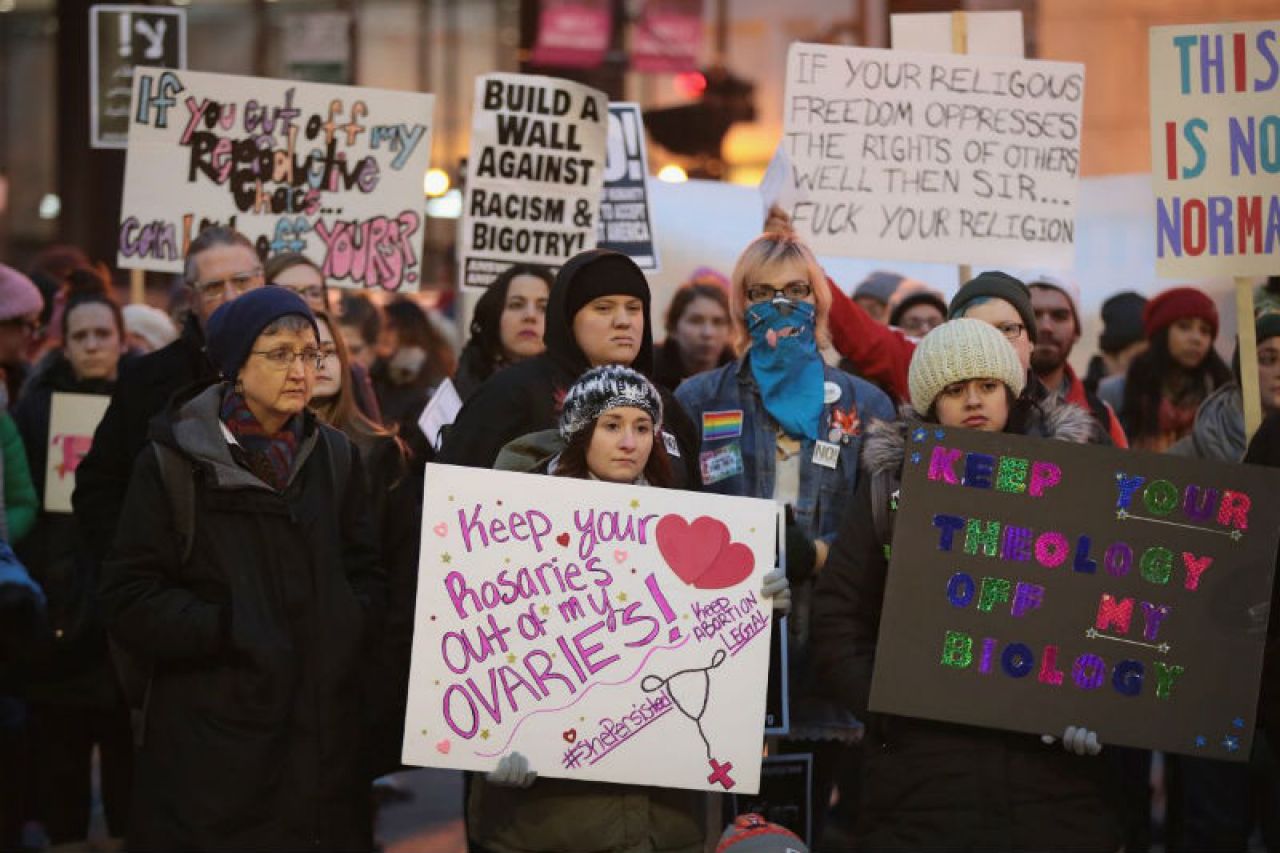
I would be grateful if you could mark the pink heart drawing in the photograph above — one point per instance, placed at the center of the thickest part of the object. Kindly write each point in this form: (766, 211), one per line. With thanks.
(440, 529)
(619, 556)
(690, 549)
(442, 746)
(732, 566)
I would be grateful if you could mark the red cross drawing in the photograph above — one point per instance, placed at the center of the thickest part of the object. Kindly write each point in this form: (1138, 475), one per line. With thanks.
(720, 774)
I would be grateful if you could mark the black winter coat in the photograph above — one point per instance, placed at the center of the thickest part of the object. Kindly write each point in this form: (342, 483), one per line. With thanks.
(526, 397)
(933, 785)
(143, 391)
(255, 715)
(71, 664)
(1264, 449)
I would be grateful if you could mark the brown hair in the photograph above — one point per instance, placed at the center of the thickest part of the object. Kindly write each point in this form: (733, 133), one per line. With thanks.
(688, 293)
(573, 459)
(340, 411)
(770, 248)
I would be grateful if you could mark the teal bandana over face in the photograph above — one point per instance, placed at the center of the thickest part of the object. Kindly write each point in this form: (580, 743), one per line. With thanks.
(787, 368)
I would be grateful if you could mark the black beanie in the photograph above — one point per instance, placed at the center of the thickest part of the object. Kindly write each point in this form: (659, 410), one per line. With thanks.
(233, 328)
(996, 285)
(1268, 325)
(1122, 321)
(609, 274)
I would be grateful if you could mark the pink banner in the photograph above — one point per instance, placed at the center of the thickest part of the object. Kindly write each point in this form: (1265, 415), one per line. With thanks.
(572, 34)
(666, 36)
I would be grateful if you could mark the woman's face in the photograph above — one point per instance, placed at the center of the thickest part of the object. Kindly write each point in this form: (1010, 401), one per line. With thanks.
(523, 318)
(93, 344)
(1269, 373)
(981, 404)
(788, 278)
(702, 332)
(276, 389)
(620, 445)
(1008, 322)
(360, 352)
(1189, 341)
(329, 373)
(306, 281)
(610, 330)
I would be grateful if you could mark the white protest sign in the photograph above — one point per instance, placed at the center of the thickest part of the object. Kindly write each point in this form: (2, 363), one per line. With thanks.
(609, 633)
(440, 412)
(334, 172)
(1215, 148)
(73, 418)
(930, 157)
(985, 33)
(534, 174)
(626, 224)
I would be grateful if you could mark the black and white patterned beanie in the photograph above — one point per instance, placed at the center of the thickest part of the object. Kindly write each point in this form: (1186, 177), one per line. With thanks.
(603, 388)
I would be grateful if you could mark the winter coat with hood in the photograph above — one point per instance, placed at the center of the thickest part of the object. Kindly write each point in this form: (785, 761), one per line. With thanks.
(255, 713)
(526, 397)
(143, 391)
(1218, 432)
(566, 815)
(933, 785)
(71, 666)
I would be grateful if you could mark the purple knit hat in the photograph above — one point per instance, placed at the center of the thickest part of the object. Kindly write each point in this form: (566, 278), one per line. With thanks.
(18, 296)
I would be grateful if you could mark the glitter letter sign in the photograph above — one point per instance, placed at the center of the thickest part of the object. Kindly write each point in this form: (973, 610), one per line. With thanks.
(609, 633)
(1038, 584)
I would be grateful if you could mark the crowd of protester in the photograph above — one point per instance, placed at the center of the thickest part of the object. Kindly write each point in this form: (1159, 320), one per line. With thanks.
(225, 619)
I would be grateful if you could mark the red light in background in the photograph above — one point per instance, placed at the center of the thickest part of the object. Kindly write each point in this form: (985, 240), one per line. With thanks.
(691, 84)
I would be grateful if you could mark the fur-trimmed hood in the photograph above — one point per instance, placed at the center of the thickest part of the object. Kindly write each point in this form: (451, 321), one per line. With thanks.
(884, 442)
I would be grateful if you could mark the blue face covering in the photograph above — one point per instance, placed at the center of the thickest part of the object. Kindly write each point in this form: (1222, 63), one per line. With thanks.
(788, 370)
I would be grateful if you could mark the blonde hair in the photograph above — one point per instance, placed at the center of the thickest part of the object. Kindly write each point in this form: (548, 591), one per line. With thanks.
(775, 247)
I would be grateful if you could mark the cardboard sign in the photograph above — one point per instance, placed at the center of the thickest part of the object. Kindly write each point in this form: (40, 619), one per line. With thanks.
(73, 418)
(985, 33)
(334, 172)
(927, 157)
(625, 223)
(609, 633)
(785, 797)
(1039, 584)
(1215, 148)
(534, 174)
(120, 38)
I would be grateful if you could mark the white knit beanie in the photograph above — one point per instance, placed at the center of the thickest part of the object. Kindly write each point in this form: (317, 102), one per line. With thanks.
(960, 350)
(603, 388)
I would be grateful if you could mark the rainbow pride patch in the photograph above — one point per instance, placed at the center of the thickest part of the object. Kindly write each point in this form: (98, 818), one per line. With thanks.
(720, 425)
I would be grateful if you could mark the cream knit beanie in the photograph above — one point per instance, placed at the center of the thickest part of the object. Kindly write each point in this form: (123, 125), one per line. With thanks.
(957, 351)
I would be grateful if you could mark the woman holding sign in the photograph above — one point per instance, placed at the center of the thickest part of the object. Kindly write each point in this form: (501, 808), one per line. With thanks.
(927, 784)
(608, 431)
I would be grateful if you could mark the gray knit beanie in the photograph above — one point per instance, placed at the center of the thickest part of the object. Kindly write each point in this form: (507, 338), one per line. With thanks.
(603, 388)
(957, 351)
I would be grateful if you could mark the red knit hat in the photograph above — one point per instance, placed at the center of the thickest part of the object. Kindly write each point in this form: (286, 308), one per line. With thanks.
(1173, 305)
(751, 833)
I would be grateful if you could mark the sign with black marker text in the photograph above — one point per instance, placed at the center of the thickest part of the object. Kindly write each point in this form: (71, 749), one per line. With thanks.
(625, 223)
(121, 38)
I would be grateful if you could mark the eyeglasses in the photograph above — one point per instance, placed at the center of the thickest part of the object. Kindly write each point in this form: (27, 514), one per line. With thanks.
(1012, 331)
(794, 290)
(283, 357)
(242, 282)
(22, 324)
(328, 352)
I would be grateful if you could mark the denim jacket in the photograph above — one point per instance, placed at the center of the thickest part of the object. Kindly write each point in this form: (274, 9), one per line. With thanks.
(824, 491)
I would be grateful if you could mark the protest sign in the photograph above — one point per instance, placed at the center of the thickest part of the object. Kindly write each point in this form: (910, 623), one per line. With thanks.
(1039, 584)
(73, 418)
(534, 174)
(333, 172)
(120, 38)
(609, 633)
(625, 223)
(1215, 148)
(929, 157)
(985, 33)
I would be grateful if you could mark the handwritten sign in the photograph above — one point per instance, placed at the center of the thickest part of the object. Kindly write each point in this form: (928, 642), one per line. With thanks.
(609, 633)
(334, 172)
(1039, 584)
(1215, 148)
(534, 174)
(120, 38)
(73, 418)
(625, 224)
(926, 157)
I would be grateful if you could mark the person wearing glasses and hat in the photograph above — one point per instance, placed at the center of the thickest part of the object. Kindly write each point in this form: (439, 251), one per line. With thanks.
(248, 601)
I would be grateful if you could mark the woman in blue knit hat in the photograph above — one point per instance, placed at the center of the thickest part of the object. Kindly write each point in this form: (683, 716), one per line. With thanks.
(241, 582)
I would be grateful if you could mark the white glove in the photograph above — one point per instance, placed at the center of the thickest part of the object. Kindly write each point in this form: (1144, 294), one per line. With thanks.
(1077, 739)
(775, 586)
(512, 772)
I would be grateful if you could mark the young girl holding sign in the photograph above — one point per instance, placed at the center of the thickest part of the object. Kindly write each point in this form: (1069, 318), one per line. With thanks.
(930, 784)
(608, 423)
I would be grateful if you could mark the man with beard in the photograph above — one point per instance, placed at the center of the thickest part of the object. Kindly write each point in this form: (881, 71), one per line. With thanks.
(1059, 325)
